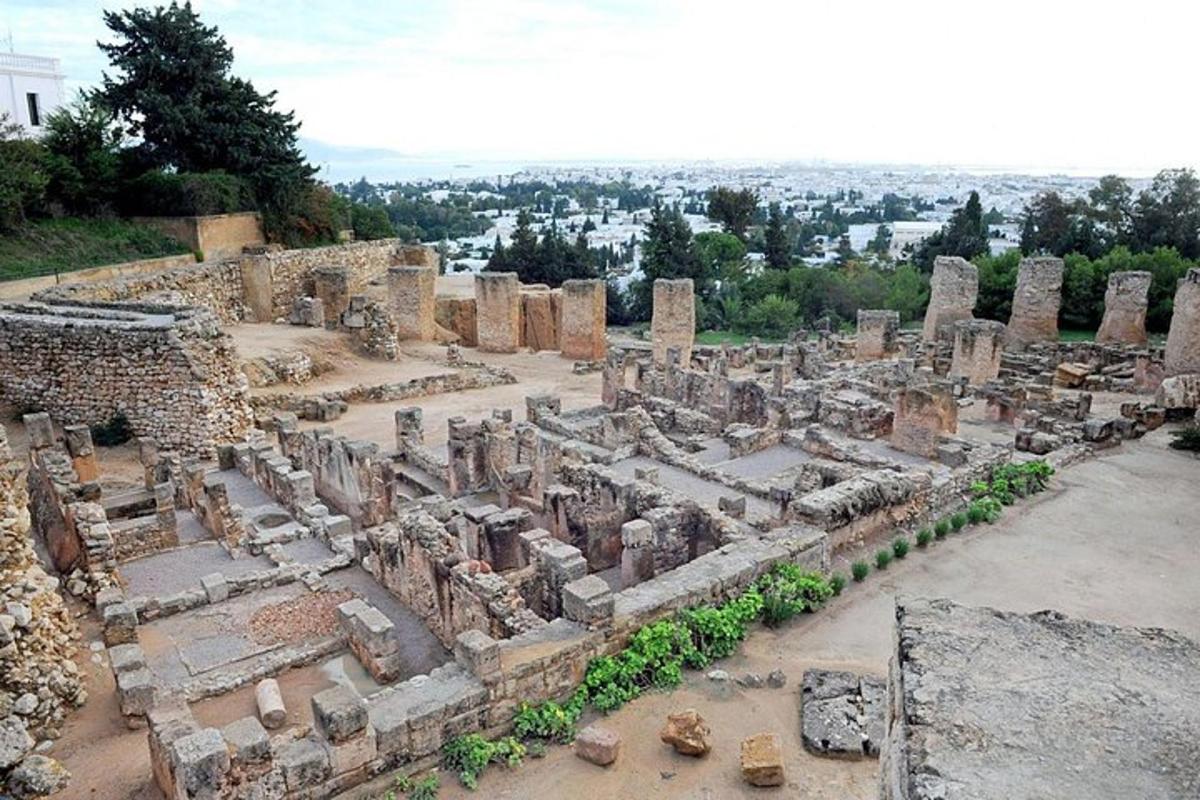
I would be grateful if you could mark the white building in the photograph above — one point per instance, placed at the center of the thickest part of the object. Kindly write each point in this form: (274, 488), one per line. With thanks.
(31, 88)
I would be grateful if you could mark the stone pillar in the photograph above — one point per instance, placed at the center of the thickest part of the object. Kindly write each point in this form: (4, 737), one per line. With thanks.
(922, 415)
(148, 456)
(1035, 302)
(1125, 305)
(331, 285)
(584, 317)
(83, 454)
(1183, 340)
(878, 333)
(953, 291)
(39, 429)
(497, 311)
(637, 552)
(540, 311)
(978, 345)
(411, 301)
(673, 323)
(410, 430)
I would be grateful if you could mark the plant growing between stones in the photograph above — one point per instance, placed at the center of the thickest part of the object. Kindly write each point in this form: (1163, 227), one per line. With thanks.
(859, 570)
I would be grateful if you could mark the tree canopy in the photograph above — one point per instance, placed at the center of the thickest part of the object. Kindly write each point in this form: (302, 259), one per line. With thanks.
(733, 208)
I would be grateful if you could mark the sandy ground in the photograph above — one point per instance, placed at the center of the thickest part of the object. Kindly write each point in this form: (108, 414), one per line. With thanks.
(1115, 540)
(536, 373)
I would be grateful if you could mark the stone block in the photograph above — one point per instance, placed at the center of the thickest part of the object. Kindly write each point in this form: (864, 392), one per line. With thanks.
(1125, 304)
(497, 311)
(339, 713)
(248, 740)
(216, 589)
(137, 691)
(673, 320)
(587, 600)
(978, 347)
(304, 762)
(1036, 301)
(878, 335)
(120, 624)
(953, 291)
(1182, 353)
(201, 762)
(126, 657)
(598, 745)
(477, 653)
(411, 301)
(584, 316)
(762, 760)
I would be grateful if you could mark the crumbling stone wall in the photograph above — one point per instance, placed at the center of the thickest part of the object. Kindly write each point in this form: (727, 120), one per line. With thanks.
(673, 322)
(498, 312)
(922, 415)
(1183, 340)
(1036, 301)
(411, 301)
(1125, 304)
(170, 371)
(584, 310)
(978, 348)
(39, 679)
(953, 290)
(878, 333)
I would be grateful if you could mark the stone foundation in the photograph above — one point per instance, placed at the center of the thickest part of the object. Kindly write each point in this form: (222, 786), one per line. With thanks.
(1125, 309)
(1036, 302)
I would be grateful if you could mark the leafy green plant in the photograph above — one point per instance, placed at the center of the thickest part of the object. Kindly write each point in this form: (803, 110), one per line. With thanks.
(985, 509)
(941, 528)
(1187, 438)
(424, 789)
(837, 582)
(883, 558)
(958, 521)
(469, 755)
(859, 570)
(975, 513)
(900, 547)
(924, 537)
(547, 721)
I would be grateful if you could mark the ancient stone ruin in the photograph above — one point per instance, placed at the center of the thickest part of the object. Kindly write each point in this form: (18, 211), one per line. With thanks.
(1035, 302)
(673, 324)
(1125, 304)
(1182, 353)
(953, 291)
(878, 333)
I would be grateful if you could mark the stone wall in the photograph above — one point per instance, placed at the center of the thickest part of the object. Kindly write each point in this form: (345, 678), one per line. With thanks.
(953, 290)
(1125, 304)
(457, 315)
(978, 348)
(170, 371)
(541, 313)
(217, 236)
(497, 312)
(1183, 340)
(922, 415)
(878, 333)
(584, 318)
(673, 322)
(1036, 301)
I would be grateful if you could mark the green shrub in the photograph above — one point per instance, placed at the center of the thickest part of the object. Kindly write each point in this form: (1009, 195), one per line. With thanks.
(883, 558)
(837, 582)
(975, 514)
(985, 509)
(424, 789)
(924, 537)
(469, 755)
(958, 521)
(859, 570)
(941, 528)
(787, 590)
(186, 194)
(1187, 438)
(114, 432)
(928, 531)
(900, 547)
(548, 721)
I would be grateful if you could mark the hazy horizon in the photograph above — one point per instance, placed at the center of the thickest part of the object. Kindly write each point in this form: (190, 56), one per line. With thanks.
(1022, 87)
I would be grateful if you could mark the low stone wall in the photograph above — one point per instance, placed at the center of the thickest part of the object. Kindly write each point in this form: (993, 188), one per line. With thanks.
(461, 380)
(170, 371)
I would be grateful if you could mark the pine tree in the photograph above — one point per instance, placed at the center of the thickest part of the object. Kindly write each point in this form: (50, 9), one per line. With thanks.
(777, 249)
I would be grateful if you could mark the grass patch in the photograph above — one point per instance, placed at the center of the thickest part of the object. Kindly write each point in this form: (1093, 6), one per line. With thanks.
(44, 247)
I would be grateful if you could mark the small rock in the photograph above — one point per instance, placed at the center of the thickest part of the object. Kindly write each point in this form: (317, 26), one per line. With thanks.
(751, 680)
(15, 742)
(762, 760)
(26, 704)
(718, 675)
(37, 776)
(687, 733)
(777, 679)
(20, 613)
(598, 745)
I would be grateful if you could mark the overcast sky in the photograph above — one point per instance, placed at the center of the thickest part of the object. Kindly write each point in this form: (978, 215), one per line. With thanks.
(1101, 85)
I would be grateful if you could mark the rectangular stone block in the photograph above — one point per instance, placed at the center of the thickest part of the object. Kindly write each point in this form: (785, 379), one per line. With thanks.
(583, 333)
(497, 311)
(411, 301)
(673, 320)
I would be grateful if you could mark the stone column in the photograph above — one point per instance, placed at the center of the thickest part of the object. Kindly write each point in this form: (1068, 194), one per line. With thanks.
(498, 311)
(953, 291)
(922, 415)
(1035, 302)
(411, 301)
(1125, 305)
(83, 455)
(1183, 340)
(584, 317)
(877, 335)
(978, 345)
(331, 285)
(673, 323)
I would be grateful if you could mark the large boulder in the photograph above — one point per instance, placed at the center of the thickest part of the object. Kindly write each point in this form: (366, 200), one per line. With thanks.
(37, 776)
(1180, 391)
(687, 733)
(15, 741)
